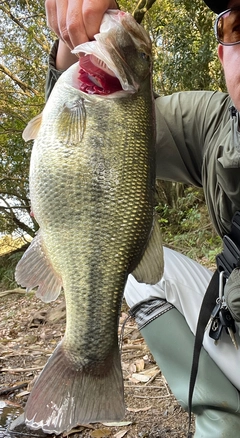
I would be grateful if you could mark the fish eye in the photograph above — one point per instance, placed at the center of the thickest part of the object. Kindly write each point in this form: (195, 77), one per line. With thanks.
(144, 56)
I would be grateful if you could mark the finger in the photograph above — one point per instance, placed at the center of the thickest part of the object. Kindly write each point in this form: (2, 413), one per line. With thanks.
(62, 11)
(51, 15)
(93, 11)
(75, 29)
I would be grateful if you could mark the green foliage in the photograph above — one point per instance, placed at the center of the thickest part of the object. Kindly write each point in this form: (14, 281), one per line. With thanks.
(186, 226)
(7, 269)
(25, 43)
(185, 48)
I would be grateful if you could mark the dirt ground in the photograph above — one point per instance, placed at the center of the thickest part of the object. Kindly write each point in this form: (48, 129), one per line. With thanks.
(30, 330)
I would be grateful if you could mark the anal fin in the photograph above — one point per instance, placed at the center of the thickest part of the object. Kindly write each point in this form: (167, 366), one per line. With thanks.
(35, 269)
(150, 267)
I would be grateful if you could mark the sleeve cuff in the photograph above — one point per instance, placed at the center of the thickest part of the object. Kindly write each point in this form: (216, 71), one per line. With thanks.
(53, 74)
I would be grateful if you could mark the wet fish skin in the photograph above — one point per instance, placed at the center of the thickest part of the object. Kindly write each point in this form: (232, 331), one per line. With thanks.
(92, 180)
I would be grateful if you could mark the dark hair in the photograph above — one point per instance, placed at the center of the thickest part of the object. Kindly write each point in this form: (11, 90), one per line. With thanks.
(217, 6)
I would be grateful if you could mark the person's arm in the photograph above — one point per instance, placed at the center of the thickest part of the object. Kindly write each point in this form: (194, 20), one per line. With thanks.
(198, 143)
(53, 74)
(64, 57)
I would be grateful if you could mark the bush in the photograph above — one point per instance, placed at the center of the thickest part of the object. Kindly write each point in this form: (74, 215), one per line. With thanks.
(186, 226)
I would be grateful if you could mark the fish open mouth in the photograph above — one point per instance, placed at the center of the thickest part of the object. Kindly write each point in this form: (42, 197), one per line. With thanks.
(99, 73)
(96, 78)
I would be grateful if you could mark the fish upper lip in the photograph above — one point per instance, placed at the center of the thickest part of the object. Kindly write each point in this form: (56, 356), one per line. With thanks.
(103, 66)
(98, 52)
(109, 68)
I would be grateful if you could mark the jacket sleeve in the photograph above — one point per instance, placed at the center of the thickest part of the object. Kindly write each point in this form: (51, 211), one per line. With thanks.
(180, 130)
(198, 143)
(52, 74)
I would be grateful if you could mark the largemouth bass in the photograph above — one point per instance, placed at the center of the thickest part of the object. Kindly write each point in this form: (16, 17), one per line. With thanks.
(92, 184)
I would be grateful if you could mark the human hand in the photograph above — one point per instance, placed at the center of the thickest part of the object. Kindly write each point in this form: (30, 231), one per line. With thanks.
(76, 21)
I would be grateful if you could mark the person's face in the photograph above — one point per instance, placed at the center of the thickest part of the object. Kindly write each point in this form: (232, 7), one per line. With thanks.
(230, 59)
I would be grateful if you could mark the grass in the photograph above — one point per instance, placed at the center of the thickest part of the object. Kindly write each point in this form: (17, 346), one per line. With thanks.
(9, 244)
(10, 254)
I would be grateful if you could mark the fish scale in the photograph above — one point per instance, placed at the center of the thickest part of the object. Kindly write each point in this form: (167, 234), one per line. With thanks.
(92, 178)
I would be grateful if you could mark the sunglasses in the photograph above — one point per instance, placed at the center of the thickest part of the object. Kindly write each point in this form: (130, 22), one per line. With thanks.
(227, 27)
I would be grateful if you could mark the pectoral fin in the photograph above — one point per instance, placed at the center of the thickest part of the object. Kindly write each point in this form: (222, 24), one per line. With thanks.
(32, 128)
(35, 269)
(72, 121)
(150, 268)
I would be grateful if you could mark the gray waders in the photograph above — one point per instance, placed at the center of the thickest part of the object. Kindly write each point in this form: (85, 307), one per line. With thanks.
(216, 402)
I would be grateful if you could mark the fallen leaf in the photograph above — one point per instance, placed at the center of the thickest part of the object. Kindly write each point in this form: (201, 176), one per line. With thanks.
(132, 368)
(19, 370)
(120, 434)
(139, 409)
(100, 433)
(140, 377)
(151, 371)
(140, 365)
(80, 427)
(72, 432)
(123, 317)
(118, 424)
(125, 365)
(22, 394)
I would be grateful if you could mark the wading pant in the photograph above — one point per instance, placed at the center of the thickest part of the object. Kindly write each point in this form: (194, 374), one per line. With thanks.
(167, 315)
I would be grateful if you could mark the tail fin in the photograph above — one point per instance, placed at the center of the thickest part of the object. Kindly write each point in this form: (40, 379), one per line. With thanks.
(64, 396)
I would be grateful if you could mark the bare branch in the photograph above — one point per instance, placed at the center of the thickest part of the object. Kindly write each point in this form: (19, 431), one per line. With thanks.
(26, 88)
(142, 7)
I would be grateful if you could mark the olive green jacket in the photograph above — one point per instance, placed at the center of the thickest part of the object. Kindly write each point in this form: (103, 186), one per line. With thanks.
(197, 143)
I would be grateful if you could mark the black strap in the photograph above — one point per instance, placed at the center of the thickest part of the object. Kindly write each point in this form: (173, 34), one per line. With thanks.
(209, 301)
